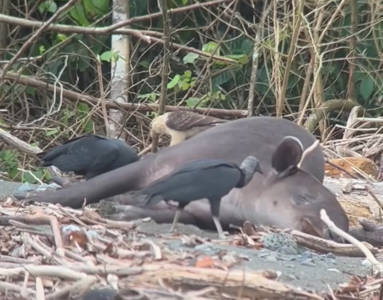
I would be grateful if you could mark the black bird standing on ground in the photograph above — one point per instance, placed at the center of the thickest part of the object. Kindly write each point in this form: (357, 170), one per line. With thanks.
(200, 179)
(89, 155)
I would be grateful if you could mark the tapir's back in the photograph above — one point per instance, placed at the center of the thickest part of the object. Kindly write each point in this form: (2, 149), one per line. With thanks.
(234, 141)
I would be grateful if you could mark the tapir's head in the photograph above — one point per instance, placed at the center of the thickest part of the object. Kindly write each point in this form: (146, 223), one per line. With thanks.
(297, 195)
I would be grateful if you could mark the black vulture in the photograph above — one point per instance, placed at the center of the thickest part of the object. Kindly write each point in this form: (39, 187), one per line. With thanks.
(209, 179)
(89, 155)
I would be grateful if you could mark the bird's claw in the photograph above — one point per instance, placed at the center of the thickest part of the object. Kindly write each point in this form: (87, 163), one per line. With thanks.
(222, 236)
(61, 181)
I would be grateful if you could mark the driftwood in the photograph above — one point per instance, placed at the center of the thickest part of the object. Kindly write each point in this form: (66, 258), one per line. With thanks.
(357, 198)
(326, 246)
(363, 204)
(259, 285)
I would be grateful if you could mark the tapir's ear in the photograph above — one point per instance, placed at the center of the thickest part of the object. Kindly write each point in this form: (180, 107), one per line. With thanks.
(287, 155)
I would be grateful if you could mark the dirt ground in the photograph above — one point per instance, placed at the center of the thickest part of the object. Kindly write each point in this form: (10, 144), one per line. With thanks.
(314, 273)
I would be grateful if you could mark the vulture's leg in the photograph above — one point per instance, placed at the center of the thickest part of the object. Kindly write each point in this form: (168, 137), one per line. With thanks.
(214, 208)
(177, 215)
(61, 181)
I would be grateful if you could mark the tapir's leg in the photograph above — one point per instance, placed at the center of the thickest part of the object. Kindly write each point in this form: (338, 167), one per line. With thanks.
(160, 213)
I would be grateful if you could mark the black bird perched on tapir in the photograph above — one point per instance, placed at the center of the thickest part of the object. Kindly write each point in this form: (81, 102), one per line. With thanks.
(200, 179)
(89, 155)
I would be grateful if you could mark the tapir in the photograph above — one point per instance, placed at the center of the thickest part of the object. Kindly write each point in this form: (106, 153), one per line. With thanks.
(291, 201)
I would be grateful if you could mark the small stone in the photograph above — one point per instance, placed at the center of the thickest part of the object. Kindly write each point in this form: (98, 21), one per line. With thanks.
(207, 249)
(288, 250)
(307, 254)
(275, 241)
(331, 255)
(366, 263)
(70, 227)
(271, 258)
(263, 255)
(292, 277)
(291, 266)
(322, 257)
(332, 261)
(308, 262)
(333, 270)
(293, 257)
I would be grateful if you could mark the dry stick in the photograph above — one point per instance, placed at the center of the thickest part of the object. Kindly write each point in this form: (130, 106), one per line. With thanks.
(255, 60)
(309, 71)
(312, 148)
(351, 239)
(40, 295)
(208, 63)
(145, 36)
(35, 36)
(165, 68)
(81, 285)
(24, 147)
(74, 96)
(316, 75)
(370, 192)
(308, 151)
(296, 30)
(102, 95)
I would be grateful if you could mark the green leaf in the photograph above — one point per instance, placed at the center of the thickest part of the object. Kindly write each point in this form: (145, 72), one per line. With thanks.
(78, 14)
(27, 177)
(174, 82)
(107, 56)
(61, 37)
(190, 58)
(366, 87)
(89, 126)
(49, 5)
(90, 9)
(185, 85)
(241, 58)
(102, 6)
(39, 174)
(187, 74)
(150, 96)
(221, 79)
(210, 48)
(13, 173)
(52, 132)
(42, 49)
(83, 107)
(191, 102)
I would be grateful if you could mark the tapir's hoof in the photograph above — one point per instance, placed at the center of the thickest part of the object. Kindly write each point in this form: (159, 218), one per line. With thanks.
(28, 197)
(369, 231)
(21, 195)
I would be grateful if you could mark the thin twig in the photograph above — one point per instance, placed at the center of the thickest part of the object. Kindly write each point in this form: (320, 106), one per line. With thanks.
(35, 36)
(165, 68)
